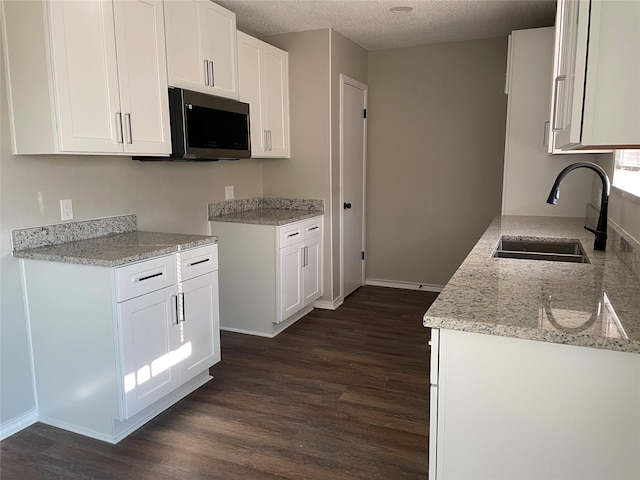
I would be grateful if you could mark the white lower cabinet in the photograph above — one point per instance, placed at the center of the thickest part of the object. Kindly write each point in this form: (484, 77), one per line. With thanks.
(270, 275)
(113, 347)
(506, 409)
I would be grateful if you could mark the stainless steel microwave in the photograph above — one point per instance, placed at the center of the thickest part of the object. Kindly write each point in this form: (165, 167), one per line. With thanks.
(206, 127)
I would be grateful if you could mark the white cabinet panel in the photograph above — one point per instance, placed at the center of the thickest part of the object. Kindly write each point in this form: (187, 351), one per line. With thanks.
(263, 76)
(220, 39)
(144, 277)
(130, 342)
(185, 44)
(518, 409)
(596, 102)
(146, 325)
(143, 83)
(290, 280)
(201, 47)
(270, 276)
(198, 340)
(87, 77)
(276, 101)
(312, 269)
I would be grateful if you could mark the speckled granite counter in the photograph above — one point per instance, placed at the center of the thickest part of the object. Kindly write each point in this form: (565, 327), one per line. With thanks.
(592, 305)
(109, 242)
(265, 211)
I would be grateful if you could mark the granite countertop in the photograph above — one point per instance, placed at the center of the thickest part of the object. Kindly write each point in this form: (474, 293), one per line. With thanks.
(265, 211)
(594, 304)
(115, 250)
(268, 216)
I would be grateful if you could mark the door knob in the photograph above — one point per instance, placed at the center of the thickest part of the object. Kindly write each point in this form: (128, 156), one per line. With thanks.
(347, 205)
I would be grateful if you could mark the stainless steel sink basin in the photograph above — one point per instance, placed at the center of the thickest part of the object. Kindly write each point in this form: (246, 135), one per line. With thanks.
(549, 249)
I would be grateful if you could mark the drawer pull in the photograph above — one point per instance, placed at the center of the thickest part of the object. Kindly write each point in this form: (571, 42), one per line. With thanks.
(293, 235)
(142, 279)
(312, 228)
(198, 262)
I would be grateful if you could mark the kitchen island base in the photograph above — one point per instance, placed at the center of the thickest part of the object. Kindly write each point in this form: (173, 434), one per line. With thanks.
(508, 408)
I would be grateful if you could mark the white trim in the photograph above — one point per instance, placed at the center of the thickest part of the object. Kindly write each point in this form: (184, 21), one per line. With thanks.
(404, 285)
(346, 80)
(27, 314)
(328, 305)
(17, 424)
(329, 224)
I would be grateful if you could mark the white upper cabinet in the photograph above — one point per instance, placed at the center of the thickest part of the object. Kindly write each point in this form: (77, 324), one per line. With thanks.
(142, 66)
(263, 76)
(87, 77)
(201, 47)
(596, 99)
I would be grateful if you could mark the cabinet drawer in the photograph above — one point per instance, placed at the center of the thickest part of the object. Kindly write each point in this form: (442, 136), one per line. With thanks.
(312, 227)
(197, 261)
(290, 234)
(144, 277)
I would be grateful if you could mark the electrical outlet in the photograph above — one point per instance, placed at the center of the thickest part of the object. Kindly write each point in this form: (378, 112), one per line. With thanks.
(228, 192)
(66, 209)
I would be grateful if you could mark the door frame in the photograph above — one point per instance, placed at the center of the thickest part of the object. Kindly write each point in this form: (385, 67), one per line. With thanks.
(346, 80)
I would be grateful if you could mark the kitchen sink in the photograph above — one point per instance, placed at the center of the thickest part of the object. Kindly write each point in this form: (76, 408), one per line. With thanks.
(542, 248)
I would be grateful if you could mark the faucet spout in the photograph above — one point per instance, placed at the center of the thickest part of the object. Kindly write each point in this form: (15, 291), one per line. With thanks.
(601, 229)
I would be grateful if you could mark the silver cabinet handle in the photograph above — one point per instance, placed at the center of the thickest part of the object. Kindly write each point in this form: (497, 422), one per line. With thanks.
(184, 312)
(212, 76)
(266, 140)
(127, 122)
(206, 72)
(175, 299)
(270, 141)
(556, 99)
(119, 128)
(545, 141)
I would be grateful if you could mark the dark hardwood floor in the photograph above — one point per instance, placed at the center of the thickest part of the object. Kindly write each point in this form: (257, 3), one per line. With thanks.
(339, 395)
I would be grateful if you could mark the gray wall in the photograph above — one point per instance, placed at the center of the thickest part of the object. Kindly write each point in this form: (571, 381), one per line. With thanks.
(349, 59)
(316, 60)
(169, 197)
(435, 156)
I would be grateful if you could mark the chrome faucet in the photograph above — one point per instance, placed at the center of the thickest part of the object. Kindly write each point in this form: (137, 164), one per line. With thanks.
(601, 229)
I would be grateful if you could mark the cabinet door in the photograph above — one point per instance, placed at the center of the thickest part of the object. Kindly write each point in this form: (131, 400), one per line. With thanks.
(290, 280)
(143, 76)
(185, 45)
(198, 338)
(263, 82)
(569, 78)
(250, 89)
(311, 271)
(85, 75)
(146, 327)
(276, 101)
(219, 32)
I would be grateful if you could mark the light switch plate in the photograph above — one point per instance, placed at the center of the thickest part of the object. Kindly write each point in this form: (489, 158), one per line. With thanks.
(228, 192)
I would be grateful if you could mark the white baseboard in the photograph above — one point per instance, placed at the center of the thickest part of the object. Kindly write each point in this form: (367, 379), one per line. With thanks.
(328, 304)
(404, 285)
(17, 424)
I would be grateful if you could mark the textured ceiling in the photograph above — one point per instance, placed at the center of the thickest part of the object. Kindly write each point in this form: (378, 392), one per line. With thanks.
(370, 24)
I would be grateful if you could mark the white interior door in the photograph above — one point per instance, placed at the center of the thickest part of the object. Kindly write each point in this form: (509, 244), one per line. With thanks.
(353, 99)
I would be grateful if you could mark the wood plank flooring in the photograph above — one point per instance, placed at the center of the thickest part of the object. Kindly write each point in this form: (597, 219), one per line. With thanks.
(339, 395)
